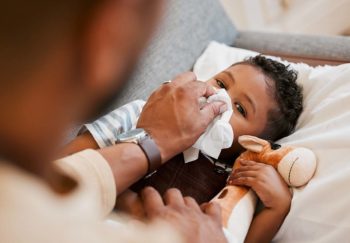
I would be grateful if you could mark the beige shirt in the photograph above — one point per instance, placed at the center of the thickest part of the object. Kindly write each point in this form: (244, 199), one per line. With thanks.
(31, 212)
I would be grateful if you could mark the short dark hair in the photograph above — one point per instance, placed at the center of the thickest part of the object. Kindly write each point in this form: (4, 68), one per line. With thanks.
(287, 93)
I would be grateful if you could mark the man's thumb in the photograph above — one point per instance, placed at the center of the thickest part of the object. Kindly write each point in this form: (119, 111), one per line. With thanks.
(212, 110)
(214, 211)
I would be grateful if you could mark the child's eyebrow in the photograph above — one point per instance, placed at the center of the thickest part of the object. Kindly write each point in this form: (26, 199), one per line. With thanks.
(230, 76)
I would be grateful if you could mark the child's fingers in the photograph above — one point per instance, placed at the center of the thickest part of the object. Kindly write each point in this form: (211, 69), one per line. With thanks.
(246, 174)
(243, 181)
(247, 168)
(245, 162)
(249, 173)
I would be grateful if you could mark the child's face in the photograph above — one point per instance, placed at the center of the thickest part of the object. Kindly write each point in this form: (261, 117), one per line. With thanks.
(251, 102)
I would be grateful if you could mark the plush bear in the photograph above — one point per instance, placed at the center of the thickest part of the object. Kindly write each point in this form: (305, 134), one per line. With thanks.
(295, 165)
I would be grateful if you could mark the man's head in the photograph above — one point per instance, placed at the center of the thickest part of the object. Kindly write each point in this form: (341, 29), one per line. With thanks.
(266, 98)
(60, 62)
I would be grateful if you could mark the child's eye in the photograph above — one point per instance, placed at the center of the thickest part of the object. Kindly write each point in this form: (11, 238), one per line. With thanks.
(220, 84)
(240, 109)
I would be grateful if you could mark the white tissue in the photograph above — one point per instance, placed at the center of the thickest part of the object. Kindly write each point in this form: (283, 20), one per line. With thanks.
(219, 134)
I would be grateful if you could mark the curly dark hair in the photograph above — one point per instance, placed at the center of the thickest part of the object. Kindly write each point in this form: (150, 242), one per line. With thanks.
(287, 93)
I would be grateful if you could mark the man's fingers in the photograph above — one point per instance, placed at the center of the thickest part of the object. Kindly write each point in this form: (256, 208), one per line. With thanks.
(131, 203)
(212, 110)
(198, 89)
(173, 196)
(214, 211)
(203, 206)
(152, 201)
(209, 91)
(184, 78)
(191, 202)
(201, 89)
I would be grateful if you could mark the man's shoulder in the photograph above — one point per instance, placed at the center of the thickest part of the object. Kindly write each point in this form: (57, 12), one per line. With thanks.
(30, 210)
(21, 190)
(23, 193)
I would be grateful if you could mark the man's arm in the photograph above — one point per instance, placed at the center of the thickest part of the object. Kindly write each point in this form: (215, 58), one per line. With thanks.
(173, 118)
(128, 163)
(127, 160)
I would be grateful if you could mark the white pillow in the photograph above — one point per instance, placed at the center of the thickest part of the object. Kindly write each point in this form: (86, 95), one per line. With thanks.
(320, 210)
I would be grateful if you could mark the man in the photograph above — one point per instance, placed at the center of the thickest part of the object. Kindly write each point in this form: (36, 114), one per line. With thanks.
(61, 61)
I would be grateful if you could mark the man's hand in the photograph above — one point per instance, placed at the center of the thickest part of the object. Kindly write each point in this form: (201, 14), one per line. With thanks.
(266, 182)
(173, 116)
(194, 223)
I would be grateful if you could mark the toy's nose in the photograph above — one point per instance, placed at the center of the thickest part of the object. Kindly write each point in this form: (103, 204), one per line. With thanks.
(298, 166)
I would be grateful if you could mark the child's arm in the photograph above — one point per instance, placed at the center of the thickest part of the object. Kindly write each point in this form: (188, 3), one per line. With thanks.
(274, 194)
(265, 225)
(80, 143)
(102, 132)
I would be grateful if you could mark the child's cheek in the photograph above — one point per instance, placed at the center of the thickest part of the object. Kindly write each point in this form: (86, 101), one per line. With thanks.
(235, 124)
(240, 126)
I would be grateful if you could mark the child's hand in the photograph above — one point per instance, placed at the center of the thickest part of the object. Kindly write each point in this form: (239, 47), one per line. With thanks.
(266, 182)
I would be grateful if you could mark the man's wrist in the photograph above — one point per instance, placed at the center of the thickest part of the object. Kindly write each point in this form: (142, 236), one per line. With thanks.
(147, 144)
(152, 152)
(160, 145)
(128, 163)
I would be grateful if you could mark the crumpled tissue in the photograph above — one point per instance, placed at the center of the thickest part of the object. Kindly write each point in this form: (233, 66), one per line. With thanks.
(218, 135)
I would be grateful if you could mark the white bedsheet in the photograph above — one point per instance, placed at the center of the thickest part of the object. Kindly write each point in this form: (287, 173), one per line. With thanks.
(320, 210)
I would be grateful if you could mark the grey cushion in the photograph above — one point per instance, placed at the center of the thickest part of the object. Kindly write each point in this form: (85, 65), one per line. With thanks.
(188, 27)
(323, 47)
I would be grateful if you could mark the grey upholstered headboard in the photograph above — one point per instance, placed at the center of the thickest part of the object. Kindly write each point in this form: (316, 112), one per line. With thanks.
(187, 28)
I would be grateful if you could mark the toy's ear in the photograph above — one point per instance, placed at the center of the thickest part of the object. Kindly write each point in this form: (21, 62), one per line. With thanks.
(252, 143)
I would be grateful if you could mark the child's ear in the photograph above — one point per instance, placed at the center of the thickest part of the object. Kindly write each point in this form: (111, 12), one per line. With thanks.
(252, 143)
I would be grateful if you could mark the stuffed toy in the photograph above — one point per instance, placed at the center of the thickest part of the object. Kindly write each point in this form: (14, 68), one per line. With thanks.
(295, 165)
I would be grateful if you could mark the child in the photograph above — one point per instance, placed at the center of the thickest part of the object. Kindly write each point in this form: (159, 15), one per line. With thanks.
(266, 103)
